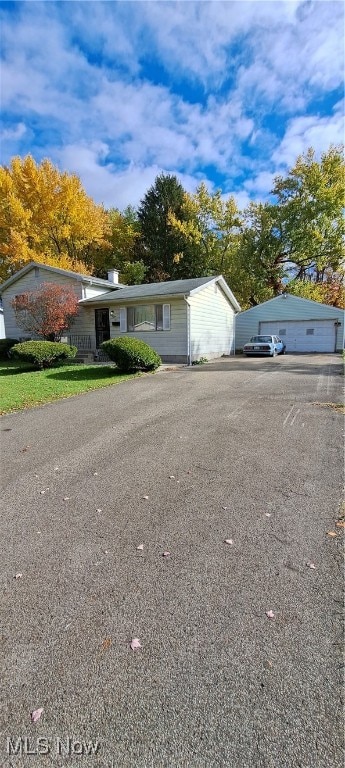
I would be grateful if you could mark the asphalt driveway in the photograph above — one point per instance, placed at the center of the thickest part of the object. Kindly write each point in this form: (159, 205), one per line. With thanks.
(236, 450)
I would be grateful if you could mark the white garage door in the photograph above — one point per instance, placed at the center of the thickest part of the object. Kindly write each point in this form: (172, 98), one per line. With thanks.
(303, 335)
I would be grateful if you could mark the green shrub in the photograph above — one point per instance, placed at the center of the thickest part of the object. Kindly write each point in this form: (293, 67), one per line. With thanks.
(201, 361)
(42, 354)
(131, 354)
(5, 346)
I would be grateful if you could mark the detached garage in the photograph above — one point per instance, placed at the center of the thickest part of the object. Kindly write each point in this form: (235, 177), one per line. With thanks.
(303, 325)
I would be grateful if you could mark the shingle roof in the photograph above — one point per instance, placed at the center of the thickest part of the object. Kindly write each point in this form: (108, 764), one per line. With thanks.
(169, 288)
(67, 272)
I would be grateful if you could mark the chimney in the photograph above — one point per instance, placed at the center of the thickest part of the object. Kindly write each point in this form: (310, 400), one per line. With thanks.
(113, 276)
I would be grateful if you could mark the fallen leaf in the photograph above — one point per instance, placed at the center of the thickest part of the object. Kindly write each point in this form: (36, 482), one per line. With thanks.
(135, 644)
(270, 614)
(331, 533)
(228, 541)
(18, 575)
(145, 497)
(140, 546)
(340, 524)
(106, 644)
(189, 472)
(166, 554)
(311, 565)
(66, 498)
(36, 714)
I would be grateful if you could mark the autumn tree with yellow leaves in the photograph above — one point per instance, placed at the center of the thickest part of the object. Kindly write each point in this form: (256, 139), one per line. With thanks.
(46, 216)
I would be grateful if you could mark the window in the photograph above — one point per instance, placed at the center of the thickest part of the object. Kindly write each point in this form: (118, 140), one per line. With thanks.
(115, 317)
(310, 331)
(282, 331)
(148, 317)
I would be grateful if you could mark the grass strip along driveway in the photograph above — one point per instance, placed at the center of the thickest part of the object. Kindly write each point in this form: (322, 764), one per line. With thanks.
(23, 387)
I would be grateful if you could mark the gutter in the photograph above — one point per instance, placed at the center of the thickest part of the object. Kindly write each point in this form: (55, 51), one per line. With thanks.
(189, 352)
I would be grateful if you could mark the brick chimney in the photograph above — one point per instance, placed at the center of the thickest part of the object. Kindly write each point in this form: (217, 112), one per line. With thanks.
(113, 276)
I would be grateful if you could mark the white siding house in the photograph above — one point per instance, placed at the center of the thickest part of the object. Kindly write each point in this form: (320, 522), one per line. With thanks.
(303, 325)
(183, 320)
(33, 275)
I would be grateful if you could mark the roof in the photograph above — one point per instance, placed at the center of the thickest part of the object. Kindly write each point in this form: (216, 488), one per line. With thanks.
(169, 288)
(300, 299)
(68, 273)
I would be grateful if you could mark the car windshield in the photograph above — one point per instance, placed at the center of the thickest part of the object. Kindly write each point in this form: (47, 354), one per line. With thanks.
(262, 339)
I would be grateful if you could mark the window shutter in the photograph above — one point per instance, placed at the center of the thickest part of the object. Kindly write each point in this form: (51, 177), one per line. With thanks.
(166, 317)
(123, 319)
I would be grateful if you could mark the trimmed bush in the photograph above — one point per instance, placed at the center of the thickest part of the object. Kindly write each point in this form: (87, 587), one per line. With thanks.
(43, 354)
(5, 346)
(131, 354)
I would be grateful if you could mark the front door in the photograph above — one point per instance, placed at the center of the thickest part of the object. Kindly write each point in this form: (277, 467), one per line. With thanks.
(102, 326)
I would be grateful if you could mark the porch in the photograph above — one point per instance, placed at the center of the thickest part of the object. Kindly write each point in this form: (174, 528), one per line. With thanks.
(87, 353)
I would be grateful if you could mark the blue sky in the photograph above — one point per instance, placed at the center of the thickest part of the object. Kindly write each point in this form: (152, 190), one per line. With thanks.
(225, 92)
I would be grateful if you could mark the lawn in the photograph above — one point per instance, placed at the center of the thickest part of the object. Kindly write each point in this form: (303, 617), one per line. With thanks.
(23, 387)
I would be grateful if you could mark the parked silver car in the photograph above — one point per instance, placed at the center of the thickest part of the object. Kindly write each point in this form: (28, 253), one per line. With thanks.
(264, 345)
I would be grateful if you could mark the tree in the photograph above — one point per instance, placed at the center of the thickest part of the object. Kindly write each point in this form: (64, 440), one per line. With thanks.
(212, 224)
(47, 312)
(165, 251)
(311, 201)
(121, 249)
(46, 216)
(260, 263)
(331, 291)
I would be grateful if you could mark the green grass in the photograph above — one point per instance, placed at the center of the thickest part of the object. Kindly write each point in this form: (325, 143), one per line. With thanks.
(23, 387)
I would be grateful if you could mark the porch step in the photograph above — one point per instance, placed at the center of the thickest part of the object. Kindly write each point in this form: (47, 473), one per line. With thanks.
(84, 357)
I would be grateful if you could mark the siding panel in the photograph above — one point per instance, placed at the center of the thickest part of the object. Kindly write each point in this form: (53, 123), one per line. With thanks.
(170, 345)
(30, 282)
(212, 323)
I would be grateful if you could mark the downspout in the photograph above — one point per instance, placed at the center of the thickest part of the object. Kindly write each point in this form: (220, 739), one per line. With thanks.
(234, 333)
(189, 353)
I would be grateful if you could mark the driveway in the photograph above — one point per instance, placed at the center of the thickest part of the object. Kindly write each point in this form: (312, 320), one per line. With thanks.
(178, 462)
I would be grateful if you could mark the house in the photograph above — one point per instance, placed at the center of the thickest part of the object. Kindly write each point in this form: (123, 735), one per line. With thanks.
(303, 325)
(33, 275)
(183, 320)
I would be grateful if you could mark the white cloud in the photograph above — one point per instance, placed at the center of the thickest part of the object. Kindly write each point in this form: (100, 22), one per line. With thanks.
(105, 183)
(13, 133)
(76, 79)
(311, 131)
(261, 184)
